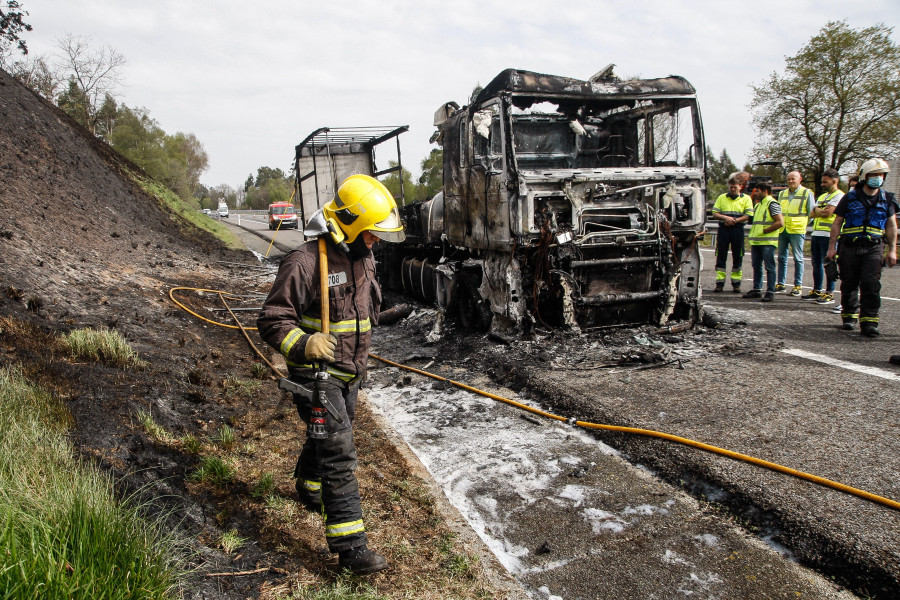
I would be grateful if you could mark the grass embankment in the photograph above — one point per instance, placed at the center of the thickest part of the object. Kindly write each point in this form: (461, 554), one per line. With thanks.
(63, 533)
(170, 201)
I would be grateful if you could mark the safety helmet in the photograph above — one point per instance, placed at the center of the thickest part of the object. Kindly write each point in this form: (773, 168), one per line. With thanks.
(873, 166)
(364, 204)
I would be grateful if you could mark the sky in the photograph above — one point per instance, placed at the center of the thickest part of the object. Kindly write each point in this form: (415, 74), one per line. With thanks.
(252, 80)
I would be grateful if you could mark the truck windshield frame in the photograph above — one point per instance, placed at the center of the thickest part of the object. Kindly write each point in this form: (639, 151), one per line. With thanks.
(657, 132)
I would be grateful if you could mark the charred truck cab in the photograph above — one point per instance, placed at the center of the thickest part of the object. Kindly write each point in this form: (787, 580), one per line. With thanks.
(565, 203)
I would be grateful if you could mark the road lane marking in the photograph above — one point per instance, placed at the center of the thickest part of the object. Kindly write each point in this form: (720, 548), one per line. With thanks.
(843, 364)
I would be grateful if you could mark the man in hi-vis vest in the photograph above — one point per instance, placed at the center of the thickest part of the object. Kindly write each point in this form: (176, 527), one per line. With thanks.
(766, 223)
(823, 217)
(796, 203)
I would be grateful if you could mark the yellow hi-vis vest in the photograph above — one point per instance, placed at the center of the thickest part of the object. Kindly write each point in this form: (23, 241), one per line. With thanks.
(796, 209)
(761, 220)
(734, 207)
(824, 223)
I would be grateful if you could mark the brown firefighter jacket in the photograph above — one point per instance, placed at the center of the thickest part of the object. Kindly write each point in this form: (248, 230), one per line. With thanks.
(292, 310)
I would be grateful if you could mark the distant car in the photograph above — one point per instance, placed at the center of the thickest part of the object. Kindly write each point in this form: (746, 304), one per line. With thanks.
(283, 213)
(223, 212)
(206, 211)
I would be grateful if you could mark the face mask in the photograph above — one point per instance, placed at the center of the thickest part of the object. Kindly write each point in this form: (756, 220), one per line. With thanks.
(875, 182)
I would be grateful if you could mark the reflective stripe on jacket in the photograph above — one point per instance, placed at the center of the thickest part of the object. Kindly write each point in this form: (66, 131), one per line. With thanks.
(762, 218)
(824, 223)
(795, 208)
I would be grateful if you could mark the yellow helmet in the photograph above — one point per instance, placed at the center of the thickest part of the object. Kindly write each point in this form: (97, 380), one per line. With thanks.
(364, 204)
(873, 166)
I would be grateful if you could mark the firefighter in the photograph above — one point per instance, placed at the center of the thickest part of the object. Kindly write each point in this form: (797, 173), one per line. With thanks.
(796, 203)
(363, 212)
(732, 209)
(866, 214)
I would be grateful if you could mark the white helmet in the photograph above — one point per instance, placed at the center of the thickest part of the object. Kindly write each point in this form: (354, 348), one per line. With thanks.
(873, 166)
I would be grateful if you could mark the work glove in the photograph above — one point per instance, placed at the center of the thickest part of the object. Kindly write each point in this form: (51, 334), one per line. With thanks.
(320, 346)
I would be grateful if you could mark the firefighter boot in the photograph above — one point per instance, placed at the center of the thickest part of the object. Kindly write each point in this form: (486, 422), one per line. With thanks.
(361, 561)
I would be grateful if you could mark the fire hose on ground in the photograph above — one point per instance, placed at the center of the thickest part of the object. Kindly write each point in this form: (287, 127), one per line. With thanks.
(576, 423)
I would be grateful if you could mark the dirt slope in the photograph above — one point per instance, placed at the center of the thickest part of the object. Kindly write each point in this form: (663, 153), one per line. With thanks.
(82, 245)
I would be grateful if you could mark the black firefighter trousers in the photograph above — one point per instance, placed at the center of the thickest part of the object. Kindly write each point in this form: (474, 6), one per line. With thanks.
(860, 265)
(332, 462)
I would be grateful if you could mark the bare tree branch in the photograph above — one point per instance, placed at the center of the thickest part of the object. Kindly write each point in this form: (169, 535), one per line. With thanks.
(92, 73)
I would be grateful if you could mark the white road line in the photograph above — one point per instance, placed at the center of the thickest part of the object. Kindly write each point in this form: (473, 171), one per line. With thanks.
(843, 364)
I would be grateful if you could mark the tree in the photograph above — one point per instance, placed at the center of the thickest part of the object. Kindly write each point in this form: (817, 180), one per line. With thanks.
(266, 174)
(271, 185)
(836, 104)
(11, 26)
(34, 73)
(176, 161)
(392, 183)
(93, 76)
(717, 172)
(432, 178)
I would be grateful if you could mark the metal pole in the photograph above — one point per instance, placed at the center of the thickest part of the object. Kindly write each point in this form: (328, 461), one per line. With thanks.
(400, 164)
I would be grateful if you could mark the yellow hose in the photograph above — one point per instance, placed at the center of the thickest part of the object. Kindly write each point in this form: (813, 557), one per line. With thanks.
(588, 425)
(202, 318)
(666, 436)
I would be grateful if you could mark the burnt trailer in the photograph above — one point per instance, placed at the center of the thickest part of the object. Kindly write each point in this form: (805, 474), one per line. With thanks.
(331, 154)
(565, 203)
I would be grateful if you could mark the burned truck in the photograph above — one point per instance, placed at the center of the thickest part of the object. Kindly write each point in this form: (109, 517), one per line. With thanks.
(565, 203)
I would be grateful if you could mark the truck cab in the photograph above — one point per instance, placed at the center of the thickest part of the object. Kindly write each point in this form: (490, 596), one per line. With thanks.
(571, 202)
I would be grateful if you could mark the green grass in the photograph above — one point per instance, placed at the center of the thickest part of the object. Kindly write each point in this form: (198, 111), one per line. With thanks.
(101, 345)
(190, 444)
(345, 588)
(156, 431)
(454, 563)
(264, 486)
(181, 211)
(259, 371)
(231, 541)
(63, 533)
(235, 387)
(213, 470)
(224, 438)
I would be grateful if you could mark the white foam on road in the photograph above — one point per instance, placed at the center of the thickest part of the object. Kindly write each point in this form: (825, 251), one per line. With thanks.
(843, 364)
(492, 464)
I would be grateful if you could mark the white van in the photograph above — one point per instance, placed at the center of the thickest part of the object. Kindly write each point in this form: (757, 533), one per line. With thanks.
(222, 210)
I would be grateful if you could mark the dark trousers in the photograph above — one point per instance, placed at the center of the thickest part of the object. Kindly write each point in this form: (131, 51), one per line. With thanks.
(730, 238)
(818, 245)
(763, 256)
(860, 266)
(332, 461)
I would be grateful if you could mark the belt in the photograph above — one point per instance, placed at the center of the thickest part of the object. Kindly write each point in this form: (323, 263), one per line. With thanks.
(862, 241)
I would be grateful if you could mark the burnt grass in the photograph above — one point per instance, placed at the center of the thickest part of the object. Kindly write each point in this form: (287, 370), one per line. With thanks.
(81, 245)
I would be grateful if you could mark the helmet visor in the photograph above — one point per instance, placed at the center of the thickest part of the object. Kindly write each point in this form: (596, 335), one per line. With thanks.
(390, 229)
